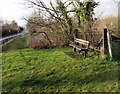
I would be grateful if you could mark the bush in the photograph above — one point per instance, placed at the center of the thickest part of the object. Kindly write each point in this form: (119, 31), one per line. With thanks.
(47, 39)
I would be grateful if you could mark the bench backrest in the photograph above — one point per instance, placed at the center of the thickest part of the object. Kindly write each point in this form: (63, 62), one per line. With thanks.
(83, 42)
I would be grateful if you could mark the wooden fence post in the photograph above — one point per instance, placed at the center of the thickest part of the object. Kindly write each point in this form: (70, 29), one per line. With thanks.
(105, 41)
(109, 43)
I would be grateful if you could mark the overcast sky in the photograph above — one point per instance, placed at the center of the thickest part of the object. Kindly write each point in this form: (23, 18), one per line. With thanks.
(16, 10)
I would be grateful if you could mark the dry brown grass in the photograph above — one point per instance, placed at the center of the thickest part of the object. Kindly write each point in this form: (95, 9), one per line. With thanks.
(109, 22)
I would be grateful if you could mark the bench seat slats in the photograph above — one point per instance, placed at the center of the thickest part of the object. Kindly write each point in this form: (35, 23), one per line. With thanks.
(82, 41)
(77, 47)
(84, 46)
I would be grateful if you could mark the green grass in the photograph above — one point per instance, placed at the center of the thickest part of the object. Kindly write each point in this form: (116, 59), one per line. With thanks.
(17, 43)
(55, 70)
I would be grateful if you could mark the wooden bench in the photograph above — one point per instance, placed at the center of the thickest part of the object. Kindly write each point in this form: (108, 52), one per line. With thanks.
(81, 45)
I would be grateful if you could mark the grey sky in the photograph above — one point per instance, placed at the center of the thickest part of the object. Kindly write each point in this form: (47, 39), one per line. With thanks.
(16, 10)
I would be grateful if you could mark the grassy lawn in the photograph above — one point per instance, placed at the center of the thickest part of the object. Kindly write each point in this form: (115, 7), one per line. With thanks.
(57, 70)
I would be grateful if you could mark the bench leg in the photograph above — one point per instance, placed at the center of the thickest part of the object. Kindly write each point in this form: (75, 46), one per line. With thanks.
(79, 51)
(74, 49)
(85, 53)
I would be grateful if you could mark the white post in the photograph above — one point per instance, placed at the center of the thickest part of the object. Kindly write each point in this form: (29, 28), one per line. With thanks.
(109, 43)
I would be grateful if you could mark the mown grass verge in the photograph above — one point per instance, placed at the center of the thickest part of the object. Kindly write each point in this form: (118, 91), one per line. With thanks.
(17, 43)
(57, 70)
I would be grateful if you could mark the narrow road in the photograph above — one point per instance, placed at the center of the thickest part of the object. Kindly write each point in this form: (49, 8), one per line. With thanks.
(6, 39)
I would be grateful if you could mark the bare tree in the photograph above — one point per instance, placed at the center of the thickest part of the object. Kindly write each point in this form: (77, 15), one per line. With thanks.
(62, 11)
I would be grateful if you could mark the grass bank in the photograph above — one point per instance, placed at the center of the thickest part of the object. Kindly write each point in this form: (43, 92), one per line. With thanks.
(17, 43)
(57, 70)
